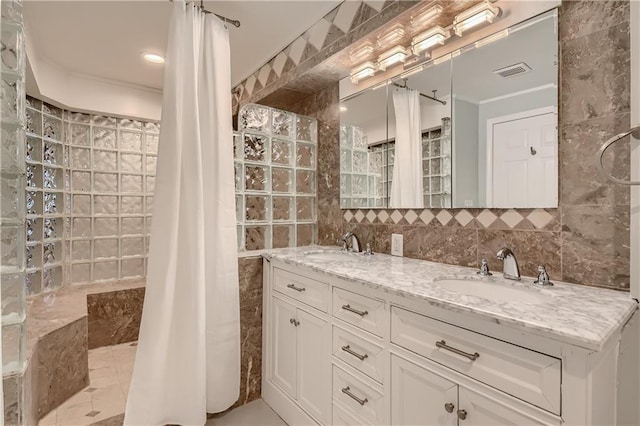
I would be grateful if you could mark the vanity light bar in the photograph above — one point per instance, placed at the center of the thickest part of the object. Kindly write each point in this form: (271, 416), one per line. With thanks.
(393, 36)
(391, 57)
(422, 19)
(362, 71)
(478, 14)
(429, 38)
(361, 53)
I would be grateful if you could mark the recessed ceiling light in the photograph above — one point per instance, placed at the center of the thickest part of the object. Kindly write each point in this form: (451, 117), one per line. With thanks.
(153, 58)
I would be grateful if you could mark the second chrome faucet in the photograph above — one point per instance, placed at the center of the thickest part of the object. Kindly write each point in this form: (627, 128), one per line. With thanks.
(511, 270)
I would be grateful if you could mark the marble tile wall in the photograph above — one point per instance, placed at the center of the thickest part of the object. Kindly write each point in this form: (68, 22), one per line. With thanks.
(114, 317)
(62, 367)
(250, 269)
(585, 240)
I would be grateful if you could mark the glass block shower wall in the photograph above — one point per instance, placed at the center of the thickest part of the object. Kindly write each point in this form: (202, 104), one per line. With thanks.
(90, 183)
(12, 171)
(275, 167)
(111, 179)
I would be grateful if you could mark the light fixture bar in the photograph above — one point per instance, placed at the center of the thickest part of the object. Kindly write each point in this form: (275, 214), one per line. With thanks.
(476, 15)
(428, 39)
(391, 57)
(393, 36)
(362, 52)
(362, 71)
(424, 17)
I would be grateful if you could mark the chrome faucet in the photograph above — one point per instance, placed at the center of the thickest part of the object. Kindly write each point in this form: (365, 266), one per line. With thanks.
(484, 269)
(543, 277)
(511, 270)
(355, 244)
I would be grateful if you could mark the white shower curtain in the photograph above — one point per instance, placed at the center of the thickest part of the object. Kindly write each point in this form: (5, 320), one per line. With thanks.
(406, 183)
(188, 356)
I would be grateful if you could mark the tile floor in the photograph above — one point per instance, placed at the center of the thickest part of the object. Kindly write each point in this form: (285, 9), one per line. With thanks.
(110, 369)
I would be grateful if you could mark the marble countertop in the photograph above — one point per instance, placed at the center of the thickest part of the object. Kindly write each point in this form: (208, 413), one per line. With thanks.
(579, 315)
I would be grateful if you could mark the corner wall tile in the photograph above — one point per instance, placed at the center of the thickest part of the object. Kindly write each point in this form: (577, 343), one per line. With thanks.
(595, 246)
(580, 180)
(595, 75)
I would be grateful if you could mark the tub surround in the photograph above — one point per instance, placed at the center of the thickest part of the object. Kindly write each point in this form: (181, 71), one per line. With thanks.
(584, 317)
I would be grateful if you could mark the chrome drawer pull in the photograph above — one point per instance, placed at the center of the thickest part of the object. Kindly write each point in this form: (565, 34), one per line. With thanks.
(293, 287)
(355, 311)
(348, 350)
(347, 392)
(443, 345)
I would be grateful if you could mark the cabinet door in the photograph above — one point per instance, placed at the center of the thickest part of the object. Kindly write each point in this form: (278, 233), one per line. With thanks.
(284, 346)
(313, 361)
(481, 411)
(420, 397)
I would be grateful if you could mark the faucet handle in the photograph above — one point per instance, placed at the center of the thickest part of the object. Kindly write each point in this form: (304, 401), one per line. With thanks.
(342, 243)
(543, 277)
(484, 269)
(368, 251)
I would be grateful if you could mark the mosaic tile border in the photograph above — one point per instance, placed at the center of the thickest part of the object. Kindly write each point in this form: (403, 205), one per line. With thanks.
(520, 219)
(338, 22)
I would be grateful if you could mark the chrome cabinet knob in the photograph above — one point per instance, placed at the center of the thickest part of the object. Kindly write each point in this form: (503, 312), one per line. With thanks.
(462, 414)
(449, 407)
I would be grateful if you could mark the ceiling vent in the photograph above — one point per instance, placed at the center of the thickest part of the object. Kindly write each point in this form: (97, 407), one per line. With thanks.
(513, 70)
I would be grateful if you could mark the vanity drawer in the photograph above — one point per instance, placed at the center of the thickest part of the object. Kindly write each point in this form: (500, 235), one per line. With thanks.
(361, 311)
(342, 416)
(306, 290)
(361, 354)
(364, 400)
(523, 373)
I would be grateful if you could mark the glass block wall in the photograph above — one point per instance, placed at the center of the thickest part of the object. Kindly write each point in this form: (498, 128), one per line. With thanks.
(275, 165)
(362, 170)
(44, 196)
(436, 165)
(12, 179)
(90, 183)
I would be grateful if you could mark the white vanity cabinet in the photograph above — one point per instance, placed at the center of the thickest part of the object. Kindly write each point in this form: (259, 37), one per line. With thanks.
(343, 353)
(299, 351)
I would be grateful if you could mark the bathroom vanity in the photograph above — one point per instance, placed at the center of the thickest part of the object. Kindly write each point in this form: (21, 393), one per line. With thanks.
(350, 339)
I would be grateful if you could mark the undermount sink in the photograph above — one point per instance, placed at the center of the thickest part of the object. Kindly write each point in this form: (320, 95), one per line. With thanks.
(330, 255)
(499, 292)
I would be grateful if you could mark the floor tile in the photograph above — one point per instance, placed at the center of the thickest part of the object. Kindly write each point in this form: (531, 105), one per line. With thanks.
(75, 415)
(256, 413)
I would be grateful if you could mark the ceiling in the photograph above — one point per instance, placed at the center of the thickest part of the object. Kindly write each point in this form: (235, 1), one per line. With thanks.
(105, 39)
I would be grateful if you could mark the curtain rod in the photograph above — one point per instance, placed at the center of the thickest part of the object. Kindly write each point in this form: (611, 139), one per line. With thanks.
(233, 22)
(433, 98)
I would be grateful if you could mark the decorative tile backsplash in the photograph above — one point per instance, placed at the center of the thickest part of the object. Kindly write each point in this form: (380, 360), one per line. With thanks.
(531, 219)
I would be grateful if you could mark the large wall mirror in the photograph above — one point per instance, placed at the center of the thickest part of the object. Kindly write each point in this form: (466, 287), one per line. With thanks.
(474, 128)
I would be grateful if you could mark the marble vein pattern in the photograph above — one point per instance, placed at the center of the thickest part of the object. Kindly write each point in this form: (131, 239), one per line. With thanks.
(581, 316)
